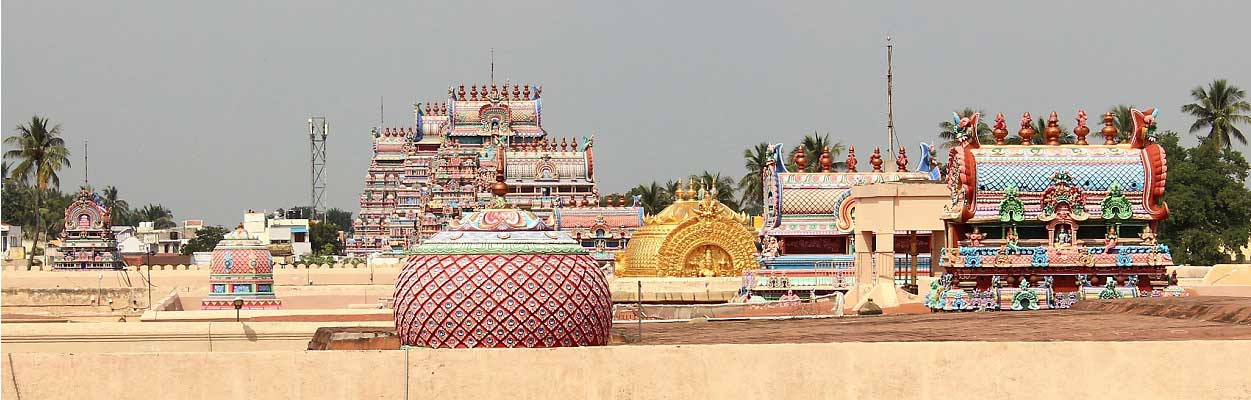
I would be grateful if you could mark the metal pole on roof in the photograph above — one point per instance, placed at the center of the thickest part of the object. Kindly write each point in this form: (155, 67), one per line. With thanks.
(890, 100)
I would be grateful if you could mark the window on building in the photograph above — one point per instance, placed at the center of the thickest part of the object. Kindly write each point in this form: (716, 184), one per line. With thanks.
(219, 288)
(300, 237)
(241, 288)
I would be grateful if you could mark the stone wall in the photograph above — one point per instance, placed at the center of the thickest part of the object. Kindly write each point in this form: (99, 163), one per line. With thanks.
(925, 370)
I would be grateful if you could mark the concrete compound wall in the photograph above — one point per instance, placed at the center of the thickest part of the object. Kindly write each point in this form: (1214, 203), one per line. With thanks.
(163, 337)
(191, 278)
(1042, 370)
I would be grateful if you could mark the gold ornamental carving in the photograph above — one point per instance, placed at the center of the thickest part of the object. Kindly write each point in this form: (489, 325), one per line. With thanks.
(691, 238)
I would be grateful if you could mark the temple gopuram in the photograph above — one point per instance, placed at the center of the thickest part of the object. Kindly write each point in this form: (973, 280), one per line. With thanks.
(810, 239)
(87, 240)
(421, 178)
(1035, 226)
(696, 236)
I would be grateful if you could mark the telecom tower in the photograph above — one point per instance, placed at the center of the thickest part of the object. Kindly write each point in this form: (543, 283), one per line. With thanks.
(317, 131)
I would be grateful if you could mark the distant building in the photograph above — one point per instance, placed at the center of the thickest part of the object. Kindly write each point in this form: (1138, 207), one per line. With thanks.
(11, 242)
(285, 237)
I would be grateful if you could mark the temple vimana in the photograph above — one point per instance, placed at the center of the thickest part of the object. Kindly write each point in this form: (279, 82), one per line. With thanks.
(424, 176)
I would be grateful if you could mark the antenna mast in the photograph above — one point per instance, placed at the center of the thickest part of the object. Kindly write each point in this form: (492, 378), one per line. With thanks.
(492, 65)
(317, 132)
(890, 100)
(86, 182)
(381, 117)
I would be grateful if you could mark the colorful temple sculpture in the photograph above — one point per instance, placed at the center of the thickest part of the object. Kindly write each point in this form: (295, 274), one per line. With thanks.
(1035, 226)
(696, 236)
(241, 267)
(500, 277)
(421, 178)
(603, 230)
(810, 240)
(87, 240)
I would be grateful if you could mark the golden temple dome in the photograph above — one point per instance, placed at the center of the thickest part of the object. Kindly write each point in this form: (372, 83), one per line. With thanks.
(690, 238)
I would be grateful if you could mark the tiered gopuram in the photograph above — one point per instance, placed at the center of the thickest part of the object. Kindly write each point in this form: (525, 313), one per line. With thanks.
(1042, 226)
(423, 177)
(87, 240)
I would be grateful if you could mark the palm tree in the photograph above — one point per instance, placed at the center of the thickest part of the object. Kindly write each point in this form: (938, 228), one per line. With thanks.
(651, 197)
(1219, 108)
(1122, 120)
(947, 133)
(752, 184)
(813, 146)
(160, 216)
(118, 207)
(4, 169)
(41, 153)
(725, 189)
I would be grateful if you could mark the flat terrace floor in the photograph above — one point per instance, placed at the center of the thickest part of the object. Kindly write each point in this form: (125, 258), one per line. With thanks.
(1196, 318)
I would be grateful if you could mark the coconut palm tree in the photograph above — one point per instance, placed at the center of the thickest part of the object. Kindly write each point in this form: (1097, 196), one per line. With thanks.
(1122, 120)
(752, 184)
(41, 153)
(947, 133)
(813, 146)
(160, 216)
(118, 207)
(724, 186)
(651, 197)
(1220, 108)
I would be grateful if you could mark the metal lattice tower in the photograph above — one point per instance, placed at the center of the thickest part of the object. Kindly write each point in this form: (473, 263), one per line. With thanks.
(317, 132)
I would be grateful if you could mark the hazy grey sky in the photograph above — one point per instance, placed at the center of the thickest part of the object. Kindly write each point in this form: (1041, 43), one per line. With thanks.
(201, 106)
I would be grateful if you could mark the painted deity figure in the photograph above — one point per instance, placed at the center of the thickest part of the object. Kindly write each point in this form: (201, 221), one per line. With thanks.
(1109, 240)
(1063, 237)
(771, 247)
(975, 237)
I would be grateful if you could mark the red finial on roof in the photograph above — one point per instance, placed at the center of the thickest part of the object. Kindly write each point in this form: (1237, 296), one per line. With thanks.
(1052, 131)
(473, 92)
(800, 159)
(1081, 130)
(1027, 130)
(902, 162)
(851, 159)
(574, 144)
(876, 159)
(1001, 130)
(462, 93)
(516, 92)
(1109, 129)
(526, 92)
(825, 160)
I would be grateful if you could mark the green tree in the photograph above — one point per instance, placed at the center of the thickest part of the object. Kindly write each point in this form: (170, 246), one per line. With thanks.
(120, 209)
(1122, 119)
(752, 184)
(1219, 108)
(653, 198)
(813, 145)
(160, 216)
(41, 153)
(1209, 208)
(205, 240)
(325, 236)
(343, 219)
(946, 129)
(724, 186)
